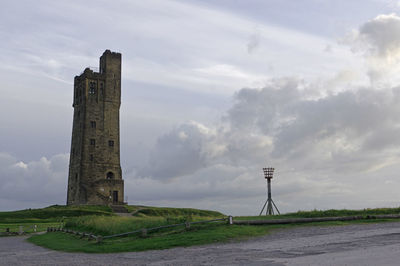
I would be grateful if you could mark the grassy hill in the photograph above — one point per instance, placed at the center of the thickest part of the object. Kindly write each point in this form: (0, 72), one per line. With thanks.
(55, 213)
(52, 213)
(145, 211)
(100, 220)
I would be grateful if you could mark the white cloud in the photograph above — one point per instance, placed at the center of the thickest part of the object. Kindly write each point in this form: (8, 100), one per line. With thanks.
(379, 40)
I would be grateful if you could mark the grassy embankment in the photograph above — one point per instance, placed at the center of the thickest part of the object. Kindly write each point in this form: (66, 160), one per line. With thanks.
(146, 217)
(46, 217)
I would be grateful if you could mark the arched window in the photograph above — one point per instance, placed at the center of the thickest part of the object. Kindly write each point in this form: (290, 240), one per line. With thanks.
(110, 175)
(92, 87)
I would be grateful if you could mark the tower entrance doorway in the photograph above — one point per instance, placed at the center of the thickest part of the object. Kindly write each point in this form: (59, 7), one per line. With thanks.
(115, 196)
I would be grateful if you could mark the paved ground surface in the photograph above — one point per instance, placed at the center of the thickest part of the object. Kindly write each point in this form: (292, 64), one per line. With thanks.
(372, 244)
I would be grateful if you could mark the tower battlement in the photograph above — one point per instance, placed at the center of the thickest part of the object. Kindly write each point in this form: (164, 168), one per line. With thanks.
(95, 175)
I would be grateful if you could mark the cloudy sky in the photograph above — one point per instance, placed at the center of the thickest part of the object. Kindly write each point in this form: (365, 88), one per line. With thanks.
(212, 91)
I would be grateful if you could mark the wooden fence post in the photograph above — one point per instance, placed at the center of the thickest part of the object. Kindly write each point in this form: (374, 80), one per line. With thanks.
(144, 232)
(20, 230)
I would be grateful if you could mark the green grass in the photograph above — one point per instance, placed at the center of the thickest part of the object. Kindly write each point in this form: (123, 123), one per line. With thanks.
(145, 217)
(326, 213)
(53, 213)
(161, 240)
(103, 225)
(113, 225)
(197, 235)
(100, 219)
(56, 213)
(52, 216)
(28, 227)
(141, 211)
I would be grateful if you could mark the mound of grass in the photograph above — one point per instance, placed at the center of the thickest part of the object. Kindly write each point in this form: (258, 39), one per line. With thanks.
(100, 219)
(106, 225)
(171, 212)
(52, 213)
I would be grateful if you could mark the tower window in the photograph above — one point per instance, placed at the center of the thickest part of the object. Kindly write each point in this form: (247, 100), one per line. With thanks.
(111, 143)
(93, 124)
(91, 157)
(110, 175)
(92, 142)
(92, 87)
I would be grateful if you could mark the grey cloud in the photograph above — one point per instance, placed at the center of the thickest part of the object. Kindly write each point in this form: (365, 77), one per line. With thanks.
(6, 160)
(350, 121)
(379, 41)
(345, 134)
(31, 183)
(179, 152)
(382, 35)
(58, 163)
(256, 109)
(379, 37)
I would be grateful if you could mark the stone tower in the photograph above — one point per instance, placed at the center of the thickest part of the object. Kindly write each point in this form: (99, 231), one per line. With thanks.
(95, 175)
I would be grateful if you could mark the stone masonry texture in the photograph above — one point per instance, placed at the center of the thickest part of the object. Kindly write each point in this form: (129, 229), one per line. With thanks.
(95, 175)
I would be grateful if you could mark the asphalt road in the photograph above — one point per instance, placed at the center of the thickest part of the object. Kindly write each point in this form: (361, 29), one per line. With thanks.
(372, 244)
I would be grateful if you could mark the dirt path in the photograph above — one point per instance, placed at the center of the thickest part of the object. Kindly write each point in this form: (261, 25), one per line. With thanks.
(372, 244)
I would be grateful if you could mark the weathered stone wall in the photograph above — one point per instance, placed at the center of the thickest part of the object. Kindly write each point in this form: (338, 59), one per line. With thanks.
(95, 175)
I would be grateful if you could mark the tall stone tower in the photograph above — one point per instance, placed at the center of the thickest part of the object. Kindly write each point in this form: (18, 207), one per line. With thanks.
(95, 175)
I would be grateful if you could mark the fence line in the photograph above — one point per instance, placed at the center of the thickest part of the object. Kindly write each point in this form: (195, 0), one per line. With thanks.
(230, 221)
(143, 231)
(187, 224)
(20, 229)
